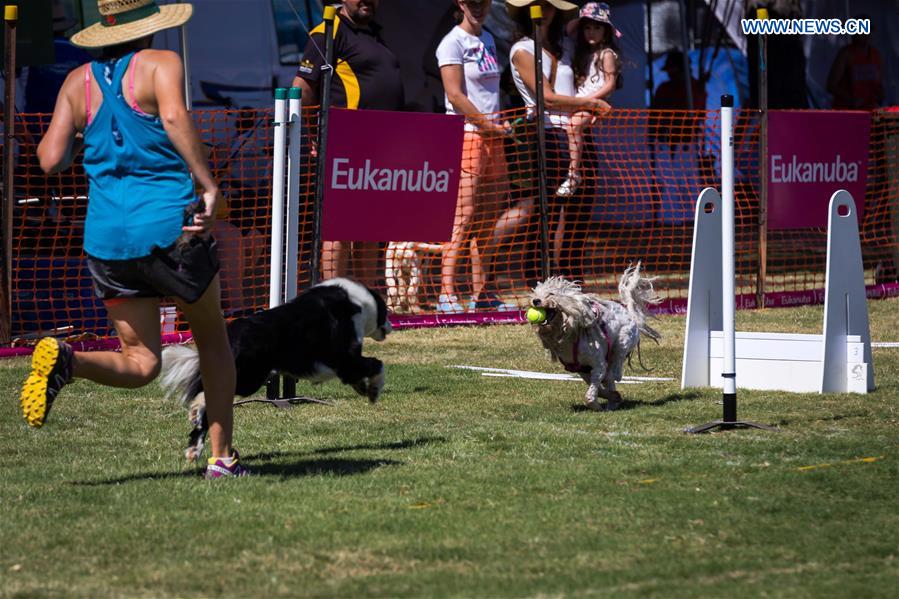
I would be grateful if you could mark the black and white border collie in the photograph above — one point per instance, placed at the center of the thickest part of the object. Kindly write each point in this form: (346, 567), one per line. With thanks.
(316, 336)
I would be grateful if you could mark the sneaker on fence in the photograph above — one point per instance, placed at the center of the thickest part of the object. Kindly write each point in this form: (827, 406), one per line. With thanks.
(490, 301)
(448, 304)
(51, 370)
(225, 467)
(569, 186)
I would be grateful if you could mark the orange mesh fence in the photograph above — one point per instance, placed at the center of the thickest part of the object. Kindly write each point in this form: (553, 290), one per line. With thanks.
(629, 196)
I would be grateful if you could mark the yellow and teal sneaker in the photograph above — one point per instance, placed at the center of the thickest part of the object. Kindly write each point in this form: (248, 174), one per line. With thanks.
(51, 370)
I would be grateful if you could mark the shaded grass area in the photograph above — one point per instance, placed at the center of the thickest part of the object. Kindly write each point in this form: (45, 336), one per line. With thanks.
(458, 484)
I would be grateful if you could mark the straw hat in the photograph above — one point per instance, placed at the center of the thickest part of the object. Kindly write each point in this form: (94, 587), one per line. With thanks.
(566, 8)
(127, 20)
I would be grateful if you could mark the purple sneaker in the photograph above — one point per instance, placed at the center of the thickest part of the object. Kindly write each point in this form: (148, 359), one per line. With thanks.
(225, 468)
(51, 370)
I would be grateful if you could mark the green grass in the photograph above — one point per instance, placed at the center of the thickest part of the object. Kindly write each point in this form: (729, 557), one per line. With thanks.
(462, 485)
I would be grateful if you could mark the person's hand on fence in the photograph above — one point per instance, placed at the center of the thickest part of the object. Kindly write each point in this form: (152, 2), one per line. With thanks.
(491, 130)
(601, 106)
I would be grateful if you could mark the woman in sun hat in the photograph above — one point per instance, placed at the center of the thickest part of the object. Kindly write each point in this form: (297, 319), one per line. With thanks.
(146, 236)
(555, 14)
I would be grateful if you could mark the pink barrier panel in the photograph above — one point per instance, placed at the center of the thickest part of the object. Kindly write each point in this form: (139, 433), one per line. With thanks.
(391, 176)
(811, 155)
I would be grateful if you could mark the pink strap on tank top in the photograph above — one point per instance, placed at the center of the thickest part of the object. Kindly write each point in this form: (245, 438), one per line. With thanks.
(87, 93)
(134, 105)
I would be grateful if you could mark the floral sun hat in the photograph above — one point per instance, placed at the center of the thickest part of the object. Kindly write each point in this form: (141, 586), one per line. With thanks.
(595, 11)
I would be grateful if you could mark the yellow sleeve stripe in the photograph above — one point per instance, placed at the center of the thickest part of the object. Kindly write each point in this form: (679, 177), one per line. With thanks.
(350, 84)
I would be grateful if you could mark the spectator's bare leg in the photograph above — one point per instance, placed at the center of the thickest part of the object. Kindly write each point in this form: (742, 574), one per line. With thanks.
(468, 181)
(478, 280)
(366, 256)
(334, 259)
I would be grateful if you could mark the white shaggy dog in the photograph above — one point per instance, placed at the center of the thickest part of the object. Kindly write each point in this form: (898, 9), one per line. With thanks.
(403, 273)
(591, 336)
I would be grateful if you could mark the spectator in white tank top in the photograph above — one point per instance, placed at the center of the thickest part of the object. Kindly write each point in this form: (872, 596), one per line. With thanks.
(523, 75)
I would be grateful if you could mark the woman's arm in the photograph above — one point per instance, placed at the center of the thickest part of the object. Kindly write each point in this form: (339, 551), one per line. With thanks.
(61, 142)
(168, 86)
(453, 75)
(525, 63)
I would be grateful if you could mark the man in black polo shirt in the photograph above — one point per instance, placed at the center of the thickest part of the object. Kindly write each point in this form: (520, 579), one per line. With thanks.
(366, 76)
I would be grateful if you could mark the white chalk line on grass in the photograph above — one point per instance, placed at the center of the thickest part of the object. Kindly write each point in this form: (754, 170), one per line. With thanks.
(885, 344)
(549, 376)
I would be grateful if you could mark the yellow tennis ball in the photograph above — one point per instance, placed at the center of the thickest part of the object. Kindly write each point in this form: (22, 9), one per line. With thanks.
(535, 315)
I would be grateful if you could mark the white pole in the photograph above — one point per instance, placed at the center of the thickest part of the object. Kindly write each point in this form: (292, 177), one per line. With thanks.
(293, 192)
(277, 259)
(188, 101)
(728, 257)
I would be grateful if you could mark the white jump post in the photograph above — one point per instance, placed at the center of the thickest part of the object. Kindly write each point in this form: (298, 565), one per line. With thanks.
(728, 251)
(726, 274)
(839, 360)
(276, 271)
(277, 247)
(295, 136)
(291, 254)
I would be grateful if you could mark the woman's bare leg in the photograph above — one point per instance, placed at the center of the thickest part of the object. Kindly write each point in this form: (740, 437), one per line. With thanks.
(334, 259)
(216, 365)
(136, 321)
(366, 255)
(468, 183)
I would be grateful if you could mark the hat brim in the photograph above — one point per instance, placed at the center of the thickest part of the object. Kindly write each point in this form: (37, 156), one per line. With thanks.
(571, 27)
(567, 9)
(99, 35)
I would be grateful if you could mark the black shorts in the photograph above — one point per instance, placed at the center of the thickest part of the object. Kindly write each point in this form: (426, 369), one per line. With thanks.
(182, 270)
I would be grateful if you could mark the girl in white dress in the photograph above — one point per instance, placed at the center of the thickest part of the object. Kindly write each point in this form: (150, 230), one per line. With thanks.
(597, 70)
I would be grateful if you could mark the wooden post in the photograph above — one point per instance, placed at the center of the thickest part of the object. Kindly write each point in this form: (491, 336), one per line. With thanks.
(537, 19)
(10, 18)
(761, 273)
(330, 13)
(650, 80)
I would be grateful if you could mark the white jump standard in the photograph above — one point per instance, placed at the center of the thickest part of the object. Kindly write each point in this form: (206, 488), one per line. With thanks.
(723, 207)
(839, 360)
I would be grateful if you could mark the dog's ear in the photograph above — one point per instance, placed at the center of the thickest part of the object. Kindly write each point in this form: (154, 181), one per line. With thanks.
(382, 316)
(380, 305)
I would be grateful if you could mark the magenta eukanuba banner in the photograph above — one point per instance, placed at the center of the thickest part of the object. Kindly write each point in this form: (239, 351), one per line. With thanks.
(812, 154)
(391, 176)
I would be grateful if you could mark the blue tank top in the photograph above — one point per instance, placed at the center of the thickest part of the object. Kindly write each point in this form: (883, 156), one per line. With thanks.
(139, 184)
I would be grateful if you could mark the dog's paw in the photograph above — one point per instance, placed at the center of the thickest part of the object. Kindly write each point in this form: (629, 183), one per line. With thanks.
(614, 402)
(361, 387)
(192, 454)
(593, 405)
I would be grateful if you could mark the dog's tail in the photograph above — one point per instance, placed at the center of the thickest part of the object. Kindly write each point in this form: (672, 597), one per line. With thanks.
(181, 373)
(637, 294)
